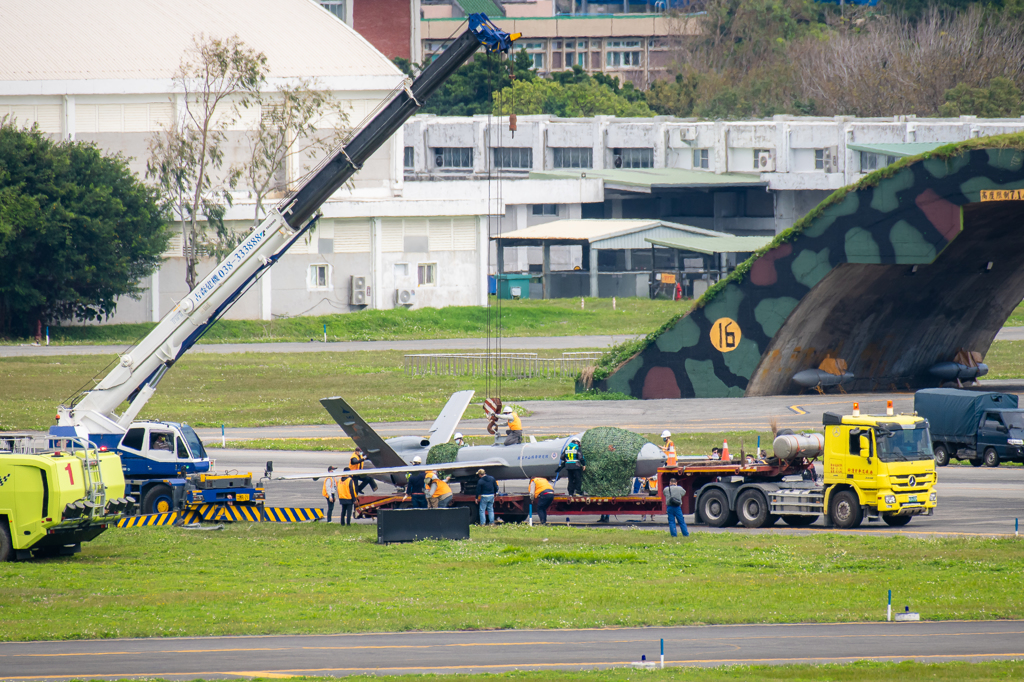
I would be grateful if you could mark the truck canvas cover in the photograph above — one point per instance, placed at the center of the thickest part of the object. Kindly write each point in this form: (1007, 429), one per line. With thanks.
(954, 414)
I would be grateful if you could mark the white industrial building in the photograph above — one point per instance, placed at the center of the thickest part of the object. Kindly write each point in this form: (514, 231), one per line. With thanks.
(747, 178)
(103, 72)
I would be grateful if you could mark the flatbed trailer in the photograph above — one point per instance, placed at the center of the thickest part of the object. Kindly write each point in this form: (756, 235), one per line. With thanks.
(692, 477)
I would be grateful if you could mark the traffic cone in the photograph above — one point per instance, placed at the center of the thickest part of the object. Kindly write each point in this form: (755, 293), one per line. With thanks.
(725, 451)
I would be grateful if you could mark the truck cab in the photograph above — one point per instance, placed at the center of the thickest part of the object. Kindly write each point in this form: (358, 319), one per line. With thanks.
(1000, 437)
(151, 448)
(877, 466)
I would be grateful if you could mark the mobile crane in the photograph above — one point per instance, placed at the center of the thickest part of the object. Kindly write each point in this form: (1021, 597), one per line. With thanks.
(164, 463)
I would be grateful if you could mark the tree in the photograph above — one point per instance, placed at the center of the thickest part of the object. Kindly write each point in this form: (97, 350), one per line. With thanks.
(77, 230)
(217, 78)
(287, 128)
(1001, 99)
(574, 94)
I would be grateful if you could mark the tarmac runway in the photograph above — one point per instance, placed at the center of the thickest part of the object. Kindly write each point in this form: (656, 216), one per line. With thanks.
(503, 650)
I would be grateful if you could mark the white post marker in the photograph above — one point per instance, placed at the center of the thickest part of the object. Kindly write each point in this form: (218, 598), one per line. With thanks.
(582, 305)
(888, 609)
(663, 653)
(223, 440)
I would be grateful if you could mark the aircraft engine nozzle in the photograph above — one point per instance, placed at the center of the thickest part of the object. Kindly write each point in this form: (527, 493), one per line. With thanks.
(649, 459)
(951, 371)
(792, 446)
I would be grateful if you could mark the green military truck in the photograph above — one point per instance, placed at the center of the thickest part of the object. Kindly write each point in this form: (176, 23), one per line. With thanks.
(56, 494)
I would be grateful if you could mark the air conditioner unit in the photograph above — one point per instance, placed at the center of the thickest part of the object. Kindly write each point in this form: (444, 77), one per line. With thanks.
(688, 134)
(831, 158)
(405, 296)
(765, 161)
(617, 161)
(438, 160)
(361, 291)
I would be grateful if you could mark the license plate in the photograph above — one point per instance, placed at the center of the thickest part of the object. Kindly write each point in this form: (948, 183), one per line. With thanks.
(912, 498)
(244, 497)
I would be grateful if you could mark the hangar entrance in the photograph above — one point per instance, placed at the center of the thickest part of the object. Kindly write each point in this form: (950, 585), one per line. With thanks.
(892, 322)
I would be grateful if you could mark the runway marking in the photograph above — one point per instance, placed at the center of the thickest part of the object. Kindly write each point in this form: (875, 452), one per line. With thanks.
(797, 409)
(695, 661)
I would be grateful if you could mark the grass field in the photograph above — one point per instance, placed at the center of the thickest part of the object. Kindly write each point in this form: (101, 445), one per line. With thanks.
(905, 671)
(269, 389)
(556, 317)
(285, 574)
(257, 389)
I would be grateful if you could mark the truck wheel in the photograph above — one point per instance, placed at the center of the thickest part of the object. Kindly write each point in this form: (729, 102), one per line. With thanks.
(846, 510)
(941, 455)
(991, 457)
(752, 509)
(158, 500)
(6, 548)
(798, 520)
(714, 508)
(896, 521)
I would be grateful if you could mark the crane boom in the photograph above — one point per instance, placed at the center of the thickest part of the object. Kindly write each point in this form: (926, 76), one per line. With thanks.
(141, 368)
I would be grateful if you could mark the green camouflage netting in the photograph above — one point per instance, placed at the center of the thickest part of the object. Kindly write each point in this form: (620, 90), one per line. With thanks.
(443, 453)
(611, 460)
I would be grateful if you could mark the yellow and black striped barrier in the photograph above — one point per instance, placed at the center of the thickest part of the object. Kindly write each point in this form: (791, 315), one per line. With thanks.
(218, 512)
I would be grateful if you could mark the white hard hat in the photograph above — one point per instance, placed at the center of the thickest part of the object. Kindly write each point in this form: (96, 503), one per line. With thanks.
(458, 436)
(417, 460)
(666, 434)
(506, 410)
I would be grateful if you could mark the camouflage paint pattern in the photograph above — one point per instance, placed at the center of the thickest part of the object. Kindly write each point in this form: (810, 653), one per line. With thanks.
(904, 215)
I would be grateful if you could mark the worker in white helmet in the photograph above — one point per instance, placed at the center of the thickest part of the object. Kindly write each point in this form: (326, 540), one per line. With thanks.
(515, 426)
(416, 486)
(459, 440)
(669, 448)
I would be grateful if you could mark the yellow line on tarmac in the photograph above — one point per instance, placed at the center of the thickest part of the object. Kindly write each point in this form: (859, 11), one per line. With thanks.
(798, 409)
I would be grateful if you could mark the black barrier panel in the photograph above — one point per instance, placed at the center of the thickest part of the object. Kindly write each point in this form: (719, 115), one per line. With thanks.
(409, 525)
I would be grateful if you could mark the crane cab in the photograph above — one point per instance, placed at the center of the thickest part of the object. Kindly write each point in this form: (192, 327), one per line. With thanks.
(162, 449)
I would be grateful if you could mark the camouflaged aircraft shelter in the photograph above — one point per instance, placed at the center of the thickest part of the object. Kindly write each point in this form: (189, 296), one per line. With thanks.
(893, 274)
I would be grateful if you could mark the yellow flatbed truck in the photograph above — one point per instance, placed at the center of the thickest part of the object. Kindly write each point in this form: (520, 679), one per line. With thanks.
(56, 494)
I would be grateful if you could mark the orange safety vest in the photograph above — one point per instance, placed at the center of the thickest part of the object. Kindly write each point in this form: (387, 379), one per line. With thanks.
(540, 485)
(356, 465)
(442, 488)
(346, 488)
(324, 490)
(670, 451)
(514, 423)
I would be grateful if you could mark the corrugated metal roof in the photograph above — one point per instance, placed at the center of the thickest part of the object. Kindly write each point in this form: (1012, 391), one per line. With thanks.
(145, 39)
(486, 6)
(710, 245)
(602, 231)
(648, 179)
(898, 148)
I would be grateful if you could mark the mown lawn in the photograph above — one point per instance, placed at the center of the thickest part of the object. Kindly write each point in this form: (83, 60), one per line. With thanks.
(258, 389)
(556, 317)
(905, 671)
(266, 579)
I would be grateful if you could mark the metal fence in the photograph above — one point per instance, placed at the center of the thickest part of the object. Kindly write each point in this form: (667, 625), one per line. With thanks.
(506, 365)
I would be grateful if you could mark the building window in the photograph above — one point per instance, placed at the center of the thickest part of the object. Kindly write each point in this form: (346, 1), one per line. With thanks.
(426, 274)
(401, 270)
(819, 159)
(573, 157)
(870, 161)
(335, 7)
(537, 51)
(615, 56)
(642, 157)
(453, 157)
(513, 157)
(545, 209)
(410, 158)
(700, 158)
(538, 60)
(319, 276)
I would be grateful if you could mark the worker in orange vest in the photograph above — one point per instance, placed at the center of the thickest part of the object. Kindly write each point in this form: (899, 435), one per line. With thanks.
(439, 495)
(669, 448)
(346, 496)
(330, 492)
(356, 464)
(543, 494)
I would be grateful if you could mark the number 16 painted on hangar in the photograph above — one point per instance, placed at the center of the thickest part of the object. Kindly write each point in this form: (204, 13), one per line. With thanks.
(725, 334)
